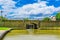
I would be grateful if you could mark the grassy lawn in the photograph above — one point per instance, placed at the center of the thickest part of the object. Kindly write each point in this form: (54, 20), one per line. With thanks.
(3, 28)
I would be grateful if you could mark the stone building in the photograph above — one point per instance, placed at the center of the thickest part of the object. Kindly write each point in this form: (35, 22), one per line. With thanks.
(53, 18)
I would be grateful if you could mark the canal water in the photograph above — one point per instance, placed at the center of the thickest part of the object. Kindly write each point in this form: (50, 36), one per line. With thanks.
(17, 35)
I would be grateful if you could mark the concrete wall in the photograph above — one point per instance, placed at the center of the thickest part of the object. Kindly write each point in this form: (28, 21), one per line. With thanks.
(21, 24)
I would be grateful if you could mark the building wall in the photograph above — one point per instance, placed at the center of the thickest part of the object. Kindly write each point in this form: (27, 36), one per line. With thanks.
(53, 18)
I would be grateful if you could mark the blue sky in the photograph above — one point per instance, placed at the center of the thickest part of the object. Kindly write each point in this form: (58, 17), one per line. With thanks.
(33, 9)
(56, 3)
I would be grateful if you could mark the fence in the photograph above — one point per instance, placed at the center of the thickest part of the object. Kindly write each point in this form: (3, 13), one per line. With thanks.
(21, 24)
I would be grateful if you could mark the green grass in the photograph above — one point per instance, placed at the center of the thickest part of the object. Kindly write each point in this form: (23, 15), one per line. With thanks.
(4, 28)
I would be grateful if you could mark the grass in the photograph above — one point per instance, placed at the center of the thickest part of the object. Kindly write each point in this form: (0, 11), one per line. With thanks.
(4, 28)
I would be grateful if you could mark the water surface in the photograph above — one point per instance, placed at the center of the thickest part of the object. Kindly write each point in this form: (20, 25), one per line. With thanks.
(24, 35)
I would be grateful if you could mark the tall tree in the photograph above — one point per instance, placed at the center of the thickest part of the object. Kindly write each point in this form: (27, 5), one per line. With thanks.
(58, 16)
(1, 17)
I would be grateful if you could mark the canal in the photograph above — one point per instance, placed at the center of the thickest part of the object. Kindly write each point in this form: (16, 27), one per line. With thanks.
(24, 35)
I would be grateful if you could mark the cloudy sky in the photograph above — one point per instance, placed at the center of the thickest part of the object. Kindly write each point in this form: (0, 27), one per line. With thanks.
(32, 9)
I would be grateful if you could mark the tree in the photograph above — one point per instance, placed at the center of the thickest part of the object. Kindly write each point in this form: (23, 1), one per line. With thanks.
(58, 16)
(26, 19)
(46, 19)
(3, 18)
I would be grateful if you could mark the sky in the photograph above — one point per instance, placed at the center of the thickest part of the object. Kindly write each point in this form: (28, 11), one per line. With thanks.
(32, 9)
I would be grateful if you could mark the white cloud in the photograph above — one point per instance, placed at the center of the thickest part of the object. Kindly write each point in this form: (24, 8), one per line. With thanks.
(35, 8)
(27, 10)
(7, 6)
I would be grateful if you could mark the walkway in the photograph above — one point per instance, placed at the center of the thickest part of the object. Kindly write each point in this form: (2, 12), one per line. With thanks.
(3, 33)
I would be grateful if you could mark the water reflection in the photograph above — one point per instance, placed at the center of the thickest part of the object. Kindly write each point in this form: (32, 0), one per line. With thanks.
(31, 37)
(17, 35)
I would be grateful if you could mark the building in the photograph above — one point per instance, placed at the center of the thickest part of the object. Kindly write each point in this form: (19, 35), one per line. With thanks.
(53, 18)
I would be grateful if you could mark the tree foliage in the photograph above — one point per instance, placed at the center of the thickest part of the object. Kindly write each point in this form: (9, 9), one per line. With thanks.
(26, 19)
(58, 16)
(46, 19)
(3, 18)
